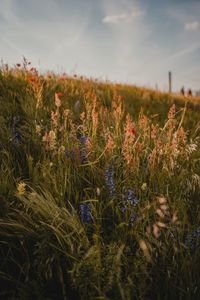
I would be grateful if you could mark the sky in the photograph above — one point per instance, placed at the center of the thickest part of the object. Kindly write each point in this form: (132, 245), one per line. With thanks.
(132, 41)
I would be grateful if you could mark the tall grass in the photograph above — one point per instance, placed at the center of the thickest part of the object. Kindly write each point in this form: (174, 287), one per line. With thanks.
(99, 190)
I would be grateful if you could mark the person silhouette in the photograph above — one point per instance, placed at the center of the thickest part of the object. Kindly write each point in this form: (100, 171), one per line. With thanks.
(189, 93)
(183, 91)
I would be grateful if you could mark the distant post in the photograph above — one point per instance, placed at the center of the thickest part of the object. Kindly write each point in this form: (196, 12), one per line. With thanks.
(170, 82)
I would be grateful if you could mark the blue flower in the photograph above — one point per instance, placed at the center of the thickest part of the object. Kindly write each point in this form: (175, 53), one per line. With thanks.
(83, 139)
(130, 202)
(131, 198)
(85, 212)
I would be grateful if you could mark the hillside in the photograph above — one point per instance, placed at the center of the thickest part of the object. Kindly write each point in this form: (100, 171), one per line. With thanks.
(99, 189)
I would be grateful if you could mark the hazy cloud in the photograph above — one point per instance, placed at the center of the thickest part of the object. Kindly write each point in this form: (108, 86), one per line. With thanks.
(193, 26)
(122, 18)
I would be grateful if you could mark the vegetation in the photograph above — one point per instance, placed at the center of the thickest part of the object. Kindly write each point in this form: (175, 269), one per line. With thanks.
(99, 190)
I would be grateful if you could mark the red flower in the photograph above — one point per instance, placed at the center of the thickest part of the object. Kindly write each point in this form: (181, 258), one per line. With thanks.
(59, 94)
(18, 65)
(133, 131)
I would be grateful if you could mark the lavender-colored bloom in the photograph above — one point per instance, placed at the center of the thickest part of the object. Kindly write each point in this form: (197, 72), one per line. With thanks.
(133, 218)
(131, 199)
(83, 139)
(109, 174)
(130, 202)
(85, 212)
(193, 240)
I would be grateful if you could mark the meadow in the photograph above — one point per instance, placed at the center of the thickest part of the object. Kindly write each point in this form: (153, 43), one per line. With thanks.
(99, 189)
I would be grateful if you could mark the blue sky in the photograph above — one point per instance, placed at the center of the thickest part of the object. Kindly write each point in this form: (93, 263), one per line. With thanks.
(132, 41)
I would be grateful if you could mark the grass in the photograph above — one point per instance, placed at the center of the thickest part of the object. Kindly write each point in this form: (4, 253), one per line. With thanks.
(99, 190)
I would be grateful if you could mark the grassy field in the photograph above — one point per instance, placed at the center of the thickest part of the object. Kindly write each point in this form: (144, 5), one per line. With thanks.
(99, 190)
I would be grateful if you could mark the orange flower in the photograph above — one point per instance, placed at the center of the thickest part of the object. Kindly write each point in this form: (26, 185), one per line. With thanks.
(31, 79)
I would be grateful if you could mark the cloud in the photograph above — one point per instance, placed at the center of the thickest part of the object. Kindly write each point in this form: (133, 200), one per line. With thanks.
(122, 18)
(193, 26)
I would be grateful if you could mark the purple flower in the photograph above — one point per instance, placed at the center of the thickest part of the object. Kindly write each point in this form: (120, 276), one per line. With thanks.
(85, 212)
(130, 202)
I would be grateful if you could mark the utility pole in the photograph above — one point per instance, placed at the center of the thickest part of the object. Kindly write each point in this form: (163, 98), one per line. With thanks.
(170, 82)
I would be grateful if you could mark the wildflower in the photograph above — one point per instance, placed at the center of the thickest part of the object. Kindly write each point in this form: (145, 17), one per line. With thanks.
(130, 202)
(131, 198)
(21, 188)
(38, 129)
(66, 113)
(144, 186)
(61, 149)
(83, 139)
(172, 112)
(192, 240)
(109, 173)
(50, 139)
(57, 99)
(18, 65)
(55, 117)
(82, 116)
(110, 143)
(45, 138)
(59, 94)
(52, 135)
(162, 200)
(133, 131)
(31, 79)
(85, 212)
